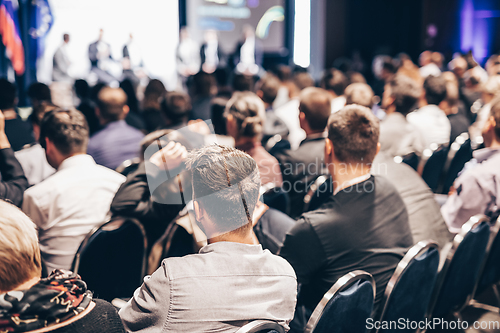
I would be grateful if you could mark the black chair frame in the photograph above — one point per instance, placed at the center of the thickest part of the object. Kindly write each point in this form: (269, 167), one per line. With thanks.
(261, 325)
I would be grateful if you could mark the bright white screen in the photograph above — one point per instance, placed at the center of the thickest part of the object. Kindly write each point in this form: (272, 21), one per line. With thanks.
(153, 23)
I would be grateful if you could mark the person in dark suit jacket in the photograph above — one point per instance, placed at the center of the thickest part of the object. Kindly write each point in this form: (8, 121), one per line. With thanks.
(99, 53)
(302, 166)
(13, 181)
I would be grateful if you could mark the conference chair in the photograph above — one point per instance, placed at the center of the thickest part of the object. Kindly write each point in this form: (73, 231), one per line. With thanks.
(275, 197)
(262, 326)
(346, 306)
(432, 164)
(411, 159)
(128, 166)
(112, 258)
(317, 191)
(460, 153)
(461, 268)
(490, 275)
(409, 290)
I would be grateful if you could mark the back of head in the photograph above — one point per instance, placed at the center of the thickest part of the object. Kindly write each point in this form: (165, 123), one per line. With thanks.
(242, 82)
(82, 89)
(39, 92)
(405, 92)
(316, 104)
(495, 113)
(176, 107)
(249, 112)
(269, 86)
(20, 259)
(153, 92)
(354, 133)
(492, 86)
(359, 93)
(303, 80)
(435, 89)
(226, 184)
(204, 84)
(39, 111)
(8, 93)
(110, 102)
(335, 81)
(67, 129)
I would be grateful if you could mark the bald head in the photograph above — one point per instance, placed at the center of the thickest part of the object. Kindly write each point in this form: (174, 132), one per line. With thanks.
(112, 104)
(316, 105)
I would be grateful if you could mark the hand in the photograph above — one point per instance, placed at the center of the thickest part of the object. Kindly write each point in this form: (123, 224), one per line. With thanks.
(170, 156)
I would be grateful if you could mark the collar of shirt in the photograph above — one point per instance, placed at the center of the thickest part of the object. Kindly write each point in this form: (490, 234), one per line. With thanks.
(482, 155)
(316, 136)
(76, 160)
(116, 124)
(232, 247)
(431, 109)
(351, 182)
(248, 145)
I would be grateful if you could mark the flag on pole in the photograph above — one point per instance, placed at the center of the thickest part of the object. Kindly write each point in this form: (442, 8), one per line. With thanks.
(41, 21)
(11, 38)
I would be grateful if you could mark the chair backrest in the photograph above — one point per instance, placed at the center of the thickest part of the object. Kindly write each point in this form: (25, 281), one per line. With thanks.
(491, 270)
(460, 272)
(112, 258)
(432, 165)
(261, 326)
(312, 199)
(346, 306)
(276, 197)
(460, 153)
(409, 290)
(128, 166)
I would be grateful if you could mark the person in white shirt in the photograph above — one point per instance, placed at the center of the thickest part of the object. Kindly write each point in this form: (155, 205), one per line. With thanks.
(430, 119)
(68, 204)
(61, 62)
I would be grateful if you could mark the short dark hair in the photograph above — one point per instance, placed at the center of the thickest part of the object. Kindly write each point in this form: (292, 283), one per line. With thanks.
(66, 37)
(110, 102)
(435, 89)
(495, 113)
(334, 80)
(40, 92)
(242, 82)
(354, 133)
(67, 129)
(175, 107)
(269, 86)
(39, 111)
(359, 93)
(405, 92)
(223, 178)
(303, 80)
(8, 93)
(316, 104)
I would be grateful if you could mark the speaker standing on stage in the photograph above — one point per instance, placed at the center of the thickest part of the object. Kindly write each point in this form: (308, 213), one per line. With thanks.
(61, 62)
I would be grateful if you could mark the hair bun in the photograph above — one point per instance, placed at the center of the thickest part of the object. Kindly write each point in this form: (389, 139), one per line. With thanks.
(251, 126)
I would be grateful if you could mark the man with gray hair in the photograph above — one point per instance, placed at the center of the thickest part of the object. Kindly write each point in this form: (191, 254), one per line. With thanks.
(232, 281)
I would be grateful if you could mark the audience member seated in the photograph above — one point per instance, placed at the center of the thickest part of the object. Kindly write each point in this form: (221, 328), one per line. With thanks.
(289, 112)
(335, 82)
(490, 90)
(424, 216)
(430, 119)
(39, 93)
(18, 131)
(362, 225)
(302, 166)
(397, 136)
(32, 158)
(12, 180)
(245, 115)
(67, 205)
(154, 91)
(428, 66)
(359, 93)
(203, 89)
(60, 303)
(116, 141)
(86, 105)
(477, 190)
(459, 123)
(226, 285)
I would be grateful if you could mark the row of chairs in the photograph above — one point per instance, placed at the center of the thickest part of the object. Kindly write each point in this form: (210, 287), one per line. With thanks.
(422, 286)
(439, 166)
